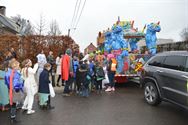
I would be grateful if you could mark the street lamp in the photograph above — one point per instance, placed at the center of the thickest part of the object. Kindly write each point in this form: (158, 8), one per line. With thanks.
(70, 30)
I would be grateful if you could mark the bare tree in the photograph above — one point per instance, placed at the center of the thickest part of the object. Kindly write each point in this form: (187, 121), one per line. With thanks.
(41, 26)
(54, 29)
(26, 27)
(184, 34)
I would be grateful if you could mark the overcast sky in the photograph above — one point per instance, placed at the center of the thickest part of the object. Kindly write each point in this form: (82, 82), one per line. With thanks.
(101, 14)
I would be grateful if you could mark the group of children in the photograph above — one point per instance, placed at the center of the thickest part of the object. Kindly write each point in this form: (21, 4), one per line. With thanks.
(93, 75)
(16, 83)
(88, 77)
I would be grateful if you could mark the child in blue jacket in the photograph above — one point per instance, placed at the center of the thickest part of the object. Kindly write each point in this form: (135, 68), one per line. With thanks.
(15, 85)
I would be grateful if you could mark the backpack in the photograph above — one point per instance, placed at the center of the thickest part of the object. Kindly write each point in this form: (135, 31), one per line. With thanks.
(91, 69)
(100, 73)
(75, 65)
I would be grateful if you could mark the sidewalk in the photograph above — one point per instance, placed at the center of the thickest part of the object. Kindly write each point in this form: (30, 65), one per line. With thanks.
(59, 89)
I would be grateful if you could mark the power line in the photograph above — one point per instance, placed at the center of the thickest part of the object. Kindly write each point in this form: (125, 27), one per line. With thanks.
(80, 14)
(74, 13)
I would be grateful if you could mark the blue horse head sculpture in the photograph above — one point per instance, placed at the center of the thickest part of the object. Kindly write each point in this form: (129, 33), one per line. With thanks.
(151, 37)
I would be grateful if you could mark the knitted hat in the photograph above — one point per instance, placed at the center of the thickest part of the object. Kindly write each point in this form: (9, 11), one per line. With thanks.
(69, 52)
(83, 66)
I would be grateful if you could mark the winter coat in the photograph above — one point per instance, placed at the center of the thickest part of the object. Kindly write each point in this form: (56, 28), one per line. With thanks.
(44, 82)
(83, 75)
(66, 67)
(58, 63)
(30, 82)
(17, 80)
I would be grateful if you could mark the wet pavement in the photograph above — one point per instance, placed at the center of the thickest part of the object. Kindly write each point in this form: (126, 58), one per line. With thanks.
(125, 106)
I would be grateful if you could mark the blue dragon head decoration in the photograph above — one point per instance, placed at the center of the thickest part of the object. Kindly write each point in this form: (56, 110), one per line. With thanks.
(133, 44)
(151, 37)
(118, 40)
(119, 46)
(107, 42)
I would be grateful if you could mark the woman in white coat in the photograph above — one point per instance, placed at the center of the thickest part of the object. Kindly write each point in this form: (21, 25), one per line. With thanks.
(41, 59)
(30, 85)
(58, 69)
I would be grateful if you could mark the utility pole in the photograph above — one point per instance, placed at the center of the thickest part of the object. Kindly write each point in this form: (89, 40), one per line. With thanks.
(70, 30)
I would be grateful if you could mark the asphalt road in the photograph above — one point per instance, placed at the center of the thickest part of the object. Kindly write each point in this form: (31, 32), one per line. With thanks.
(125, 106)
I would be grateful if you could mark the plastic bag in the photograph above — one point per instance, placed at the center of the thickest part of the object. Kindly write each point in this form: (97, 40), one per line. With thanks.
(106, 80)
(52, 92)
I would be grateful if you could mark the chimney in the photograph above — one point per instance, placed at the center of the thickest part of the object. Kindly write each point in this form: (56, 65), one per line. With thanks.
(2, 10)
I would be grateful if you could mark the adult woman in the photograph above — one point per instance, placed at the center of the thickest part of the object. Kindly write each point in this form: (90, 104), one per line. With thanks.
(112, 65)
(58, 69)
(41, 59)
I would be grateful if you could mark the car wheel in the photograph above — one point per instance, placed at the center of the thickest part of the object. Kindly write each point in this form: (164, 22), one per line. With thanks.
(151, 94)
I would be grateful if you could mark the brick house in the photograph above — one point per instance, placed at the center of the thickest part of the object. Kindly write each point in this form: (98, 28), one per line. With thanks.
(90, 49)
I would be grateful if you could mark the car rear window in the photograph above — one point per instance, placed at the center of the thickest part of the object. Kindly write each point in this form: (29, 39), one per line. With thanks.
(175, 62)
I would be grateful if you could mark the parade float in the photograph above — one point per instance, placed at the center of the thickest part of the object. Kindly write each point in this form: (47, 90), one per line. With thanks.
(120, 42)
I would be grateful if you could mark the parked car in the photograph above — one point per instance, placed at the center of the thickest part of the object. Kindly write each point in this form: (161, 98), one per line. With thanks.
(165, 78)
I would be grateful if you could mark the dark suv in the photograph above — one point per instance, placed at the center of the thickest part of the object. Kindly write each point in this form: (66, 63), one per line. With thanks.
(165, 77)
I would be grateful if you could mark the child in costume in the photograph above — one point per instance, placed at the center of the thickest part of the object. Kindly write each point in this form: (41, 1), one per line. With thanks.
(15, 84)
(30, 85)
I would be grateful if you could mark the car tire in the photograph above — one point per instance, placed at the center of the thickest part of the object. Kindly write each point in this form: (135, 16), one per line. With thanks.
(151, 94)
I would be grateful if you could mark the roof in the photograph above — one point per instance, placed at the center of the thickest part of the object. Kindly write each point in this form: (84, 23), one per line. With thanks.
(10, 24)
(91, 44)
(159, 42)
(185, 53)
